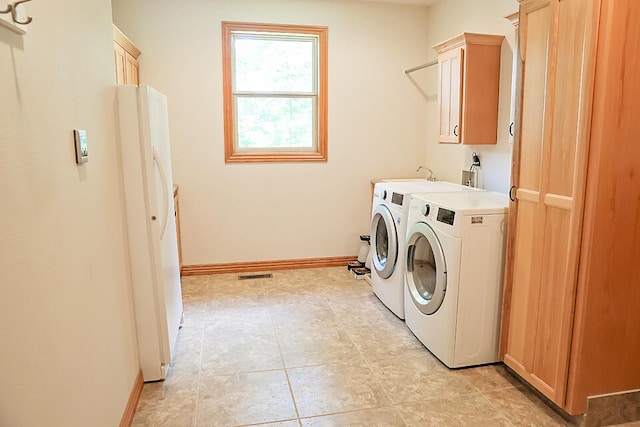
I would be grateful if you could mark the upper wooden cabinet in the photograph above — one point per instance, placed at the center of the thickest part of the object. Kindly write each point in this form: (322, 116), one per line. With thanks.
(571, 297)
(469, 79)
(126, 58)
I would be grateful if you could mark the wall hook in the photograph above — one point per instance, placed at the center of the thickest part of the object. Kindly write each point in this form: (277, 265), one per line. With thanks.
(13, 8)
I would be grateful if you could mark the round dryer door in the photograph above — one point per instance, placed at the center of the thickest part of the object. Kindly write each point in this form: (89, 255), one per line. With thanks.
(426, 269)
(384, 242)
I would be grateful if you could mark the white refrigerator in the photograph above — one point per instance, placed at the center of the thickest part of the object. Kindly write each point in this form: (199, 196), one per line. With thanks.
(153, 249)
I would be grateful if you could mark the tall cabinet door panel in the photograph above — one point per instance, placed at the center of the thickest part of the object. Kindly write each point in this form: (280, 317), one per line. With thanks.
(126, 59)
(449, 93)
(550, 172)
(518, 355)
(533, 38)
(131, 69)
(563, 151)
(120, 55)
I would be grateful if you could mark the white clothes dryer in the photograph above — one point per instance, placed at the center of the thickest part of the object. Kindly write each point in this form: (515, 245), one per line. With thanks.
(388, 230)
(453, 274)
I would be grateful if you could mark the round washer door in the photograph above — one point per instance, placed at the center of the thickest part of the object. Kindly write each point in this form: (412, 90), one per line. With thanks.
(426, 268)
(384, 242)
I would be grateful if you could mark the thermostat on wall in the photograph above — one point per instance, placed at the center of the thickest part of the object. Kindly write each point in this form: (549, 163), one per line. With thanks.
(82, 152)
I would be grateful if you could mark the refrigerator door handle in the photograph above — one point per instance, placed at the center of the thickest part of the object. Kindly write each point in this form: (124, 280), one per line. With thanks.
(165, 190)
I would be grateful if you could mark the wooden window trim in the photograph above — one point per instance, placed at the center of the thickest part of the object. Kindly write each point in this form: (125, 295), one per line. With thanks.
(317, 156)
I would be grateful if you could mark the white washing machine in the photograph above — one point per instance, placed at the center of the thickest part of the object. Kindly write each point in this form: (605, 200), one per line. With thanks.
(453, 274)
(388, 230)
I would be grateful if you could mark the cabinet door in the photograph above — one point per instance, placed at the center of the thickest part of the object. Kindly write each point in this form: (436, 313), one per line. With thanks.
(176, 209)
(126, 58)
(514, 19)
(131, 69)
(523, 271)
(450, 65)
(120, 54)
(549, 174)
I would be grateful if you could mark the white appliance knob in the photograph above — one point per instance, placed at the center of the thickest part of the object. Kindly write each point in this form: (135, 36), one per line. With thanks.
(426, 209)
(384, 194)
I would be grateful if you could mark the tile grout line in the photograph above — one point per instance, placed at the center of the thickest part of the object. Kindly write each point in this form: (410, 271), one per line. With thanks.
(333, 303)
(497, 409)
(394, 404)
(200, 373)
(284, 366)
(375, 377)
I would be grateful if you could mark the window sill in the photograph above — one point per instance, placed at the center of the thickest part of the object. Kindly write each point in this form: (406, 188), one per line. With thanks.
(275, 157)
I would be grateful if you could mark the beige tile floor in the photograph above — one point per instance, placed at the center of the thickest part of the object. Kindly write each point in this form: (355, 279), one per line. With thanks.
(315, 348)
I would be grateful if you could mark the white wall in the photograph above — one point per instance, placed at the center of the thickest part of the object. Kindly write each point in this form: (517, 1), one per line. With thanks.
(253, 212)
(448, 18)
(67, 342)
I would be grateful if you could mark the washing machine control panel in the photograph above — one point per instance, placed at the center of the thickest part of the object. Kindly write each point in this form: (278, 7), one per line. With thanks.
(397, 198)
(446, 216)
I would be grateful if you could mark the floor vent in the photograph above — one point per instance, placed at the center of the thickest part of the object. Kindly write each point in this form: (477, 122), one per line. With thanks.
(255, 276)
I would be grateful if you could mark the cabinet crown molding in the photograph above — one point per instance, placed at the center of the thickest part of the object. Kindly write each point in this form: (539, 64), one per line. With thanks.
(469, 38)
(122, 40)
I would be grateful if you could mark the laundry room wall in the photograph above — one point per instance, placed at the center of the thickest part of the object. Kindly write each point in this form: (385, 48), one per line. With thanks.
(67, 343)
(279, 211)
(447, 19)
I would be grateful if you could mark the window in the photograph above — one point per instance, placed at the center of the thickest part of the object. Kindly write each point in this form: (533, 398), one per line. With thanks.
(275, 92)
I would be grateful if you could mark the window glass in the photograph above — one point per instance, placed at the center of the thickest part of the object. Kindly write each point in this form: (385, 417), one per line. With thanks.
(275, 87)
(272, 65)
(275, 123)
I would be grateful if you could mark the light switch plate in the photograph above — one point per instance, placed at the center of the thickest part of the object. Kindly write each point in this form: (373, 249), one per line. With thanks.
(82, 152)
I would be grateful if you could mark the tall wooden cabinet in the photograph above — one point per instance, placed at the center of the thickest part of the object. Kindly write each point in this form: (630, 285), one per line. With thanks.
(514, 18)
(126, 58)
(572, 282)
(469, 79)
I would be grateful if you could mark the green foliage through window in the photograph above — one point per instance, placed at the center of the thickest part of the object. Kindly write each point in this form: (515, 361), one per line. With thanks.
(275, 92)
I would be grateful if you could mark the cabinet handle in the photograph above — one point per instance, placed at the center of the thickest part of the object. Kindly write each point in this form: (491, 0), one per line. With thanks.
(455, 130)
(511, 128)
(511, 194)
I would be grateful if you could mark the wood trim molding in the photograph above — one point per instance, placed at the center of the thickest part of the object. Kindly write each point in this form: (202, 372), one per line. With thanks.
(132, 403)
(558, 201)
(243, 267)
(469, 38)
(122, 40)
(320, 153)
(527, 195)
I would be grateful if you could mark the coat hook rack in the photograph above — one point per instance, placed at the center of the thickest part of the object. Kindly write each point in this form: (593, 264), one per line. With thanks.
(13, 9)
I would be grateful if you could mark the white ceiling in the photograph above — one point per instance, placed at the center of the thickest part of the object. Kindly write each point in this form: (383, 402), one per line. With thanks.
(414, 2)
